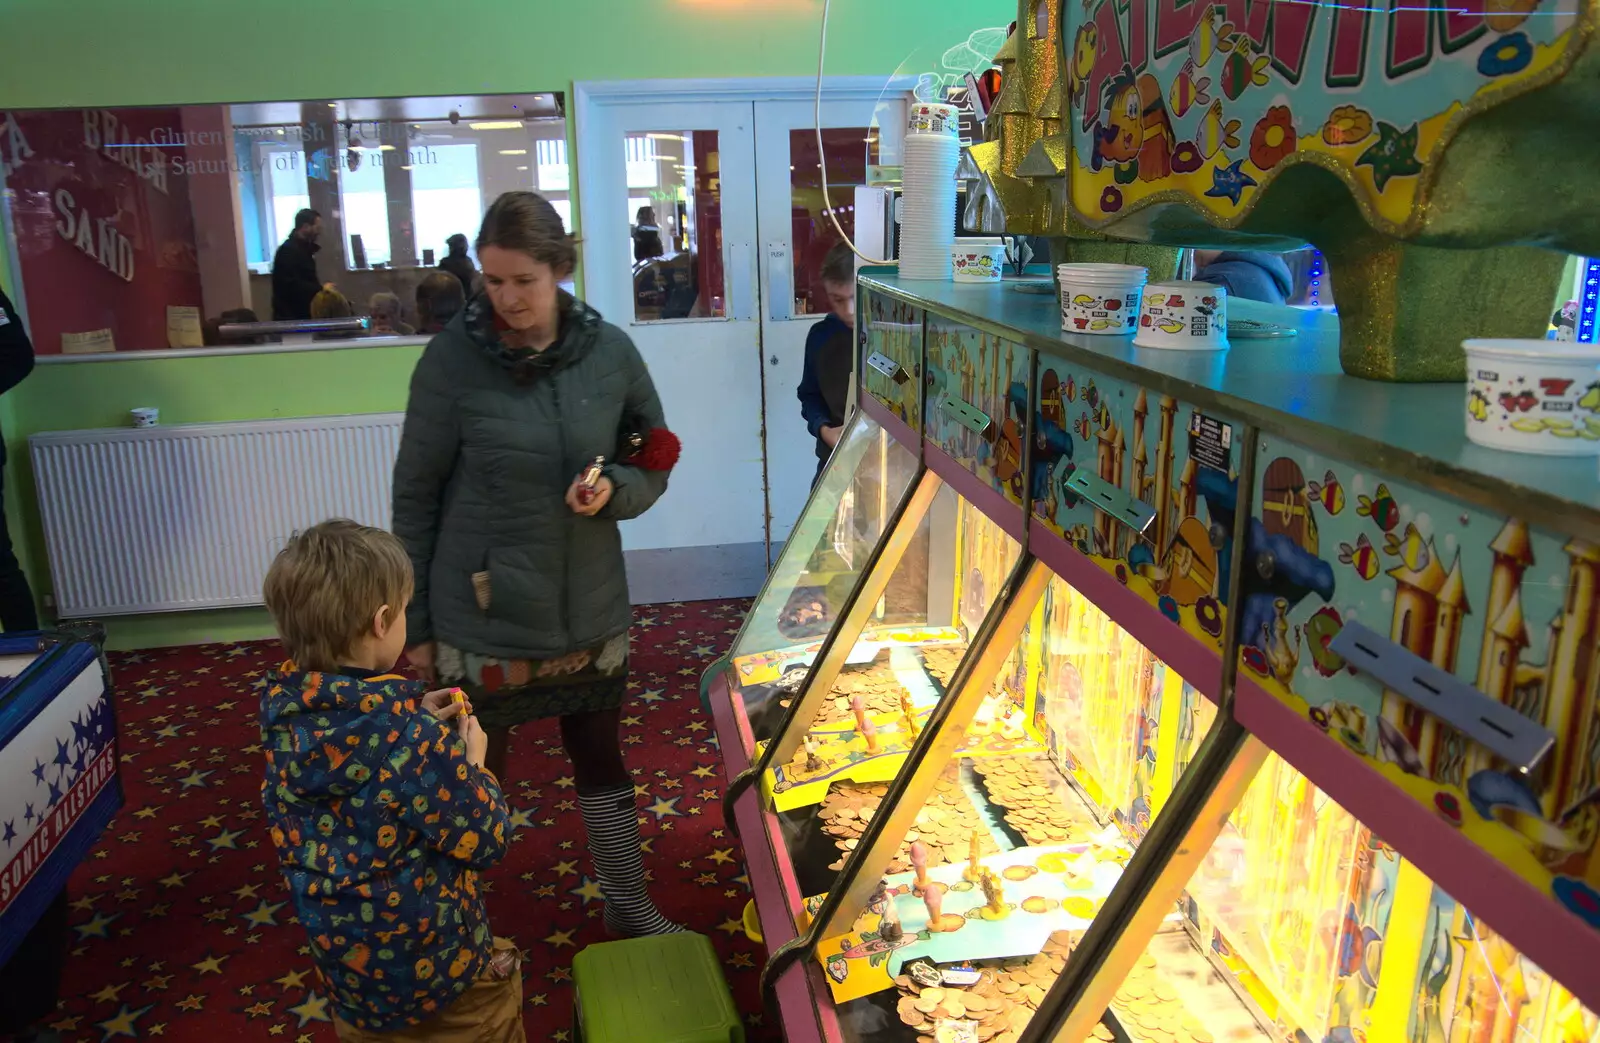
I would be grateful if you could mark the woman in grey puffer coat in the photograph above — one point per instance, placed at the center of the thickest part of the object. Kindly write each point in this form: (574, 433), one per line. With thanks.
(521, 597)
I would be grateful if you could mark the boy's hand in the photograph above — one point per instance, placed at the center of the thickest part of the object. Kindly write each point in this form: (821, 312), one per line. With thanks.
(444, 705)
(597, 499)
(477, 741)
(830, 435)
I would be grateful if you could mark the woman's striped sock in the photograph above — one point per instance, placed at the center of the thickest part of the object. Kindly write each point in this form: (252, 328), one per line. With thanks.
(612, 818)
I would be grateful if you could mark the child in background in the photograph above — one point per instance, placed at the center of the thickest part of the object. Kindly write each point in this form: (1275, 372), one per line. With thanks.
(381, 810)
(830, 356)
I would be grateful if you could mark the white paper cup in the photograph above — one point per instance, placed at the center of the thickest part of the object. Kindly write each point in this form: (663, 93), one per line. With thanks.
(1101, 299)
(145, 416)
(929, 117)
(978, 259)
(1184, 316)
(1534, 396)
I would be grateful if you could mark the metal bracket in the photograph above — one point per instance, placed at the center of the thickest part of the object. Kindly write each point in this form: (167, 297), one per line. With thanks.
(1496, 727)
(1132, 512)
(969, 416)
(888, 367)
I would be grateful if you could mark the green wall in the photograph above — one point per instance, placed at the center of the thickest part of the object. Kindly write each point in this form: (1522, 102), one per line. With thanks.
(114, 53)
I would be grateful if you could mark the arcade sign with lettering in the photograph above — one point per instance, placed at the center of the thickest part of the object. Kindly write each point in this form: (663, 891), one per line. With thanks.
(1213, 100)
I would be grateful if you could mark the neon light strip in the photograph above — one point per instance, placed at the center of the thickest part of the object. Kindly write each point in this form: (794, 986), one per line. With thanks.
(1589, 300)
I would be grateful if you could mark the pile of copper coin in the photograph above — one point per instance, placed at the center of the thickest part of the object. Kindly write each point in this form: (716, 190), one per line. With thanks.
(1018, 785)
(1149, 1009)
(944, 825)
(998, 1006)
(877, 685)
(940, 662)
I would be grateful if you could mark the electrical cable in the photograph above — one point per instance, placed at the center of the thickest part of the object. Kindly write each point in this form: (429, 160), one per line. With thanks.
(822, 155)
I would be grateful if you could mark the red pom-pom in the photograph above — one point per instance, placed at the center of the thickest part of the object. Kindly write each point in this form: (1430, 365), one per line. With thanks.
(660, 451)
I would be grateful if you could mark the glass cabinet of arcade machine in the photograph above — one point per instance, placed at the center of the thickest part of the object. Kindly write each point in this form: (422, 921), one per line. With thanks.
(995, 783)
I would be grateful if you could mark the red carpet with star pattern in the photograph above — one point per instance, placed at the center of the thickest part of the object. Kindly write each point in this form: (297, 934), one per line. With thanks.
(181, 929)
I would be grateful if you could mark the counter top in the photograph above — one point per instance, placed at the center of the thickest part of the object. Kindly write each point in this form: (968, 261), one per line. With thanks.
(1294, 388)
(237, 349)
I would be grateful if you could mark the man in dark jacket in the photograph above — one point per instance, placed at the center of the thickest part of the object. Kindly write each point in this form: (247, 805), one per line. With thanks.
(458, 264)
(830, 353)
(1248, 274)
(31, 980)
(294, 268)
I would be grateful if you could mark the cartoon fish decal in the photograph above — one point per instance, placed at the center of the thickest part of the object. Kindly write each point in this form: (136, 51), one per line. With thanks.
(1362, 557)
(1188, 91)
(1411, 549)
(1082, 425)
(1244, 68)
(1091, 395)
(1478, 404)
(1321, 629)
(1070, 390)
(1216, 133)
(1357, 937)
(1213, 33)
(1327, 492)
(1381, 508)
(1591, 398)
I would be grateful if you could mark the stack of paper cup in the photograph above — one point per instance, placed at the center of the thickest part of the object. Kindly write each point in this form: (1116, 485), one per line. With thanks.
(928, 203)
(1101, 298)
(1186, 316)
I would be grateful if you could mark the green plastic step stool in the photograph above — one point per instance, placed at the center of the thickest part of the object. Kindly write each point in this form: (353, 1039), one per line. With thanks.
(665, 988)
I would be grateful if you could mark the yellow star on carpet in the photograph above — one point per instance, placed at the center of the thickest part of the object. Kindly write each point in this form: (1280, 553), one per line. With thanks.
(662, 808)
(740, 959)
(210, 965)
(566, 782)
(315, 1008)
(293, 980)
(121, 1024)
(559, 938)
(731, 925)
(264, 915)
(539, 999)
(247, 891)
(109, 994)
(149, 812)
(225, 839)
(278, 1029)
(157, 983)
(566, 868)
(211, 822)
(191, 1002)
(705, 771)
(174, 879)
(589, 891)
(721, 856)
(83, 904)
(96, 928)
(259, 1009)
(66, 1024)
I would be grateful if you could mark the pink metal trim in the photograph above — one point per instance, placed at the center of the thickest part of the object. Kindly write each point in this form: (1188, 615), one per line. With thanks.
(1555, 939)
(806, 1019)
(1194, 662)
(898, 429)
(976, 491)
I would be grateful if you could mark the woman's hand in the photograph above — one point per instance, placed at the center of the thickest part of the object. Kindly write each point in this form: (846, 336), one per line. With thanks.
(442, 703)
(421, 659)
(598, 498)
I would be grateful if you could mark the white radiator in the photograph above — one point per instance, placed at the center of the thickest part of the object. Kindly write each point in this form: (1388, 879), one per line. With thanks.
(169, 519)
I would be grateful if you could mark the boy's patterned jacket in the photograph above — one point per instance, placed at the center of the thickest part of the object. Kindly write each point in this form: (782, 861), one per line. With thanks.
(381, 826)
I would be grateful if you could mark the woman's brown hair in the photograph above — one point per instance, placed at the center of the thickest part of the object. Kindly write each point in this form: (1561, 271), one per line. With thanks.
(525, 221)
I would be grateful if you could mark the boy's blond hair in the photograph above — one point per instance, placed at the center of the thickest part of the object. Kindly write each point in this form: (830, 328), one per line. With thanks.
(328, 582)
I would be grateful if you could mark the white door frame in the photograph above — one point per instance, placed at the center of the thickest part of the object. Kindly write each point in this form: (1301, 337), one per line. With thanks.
(666, 575)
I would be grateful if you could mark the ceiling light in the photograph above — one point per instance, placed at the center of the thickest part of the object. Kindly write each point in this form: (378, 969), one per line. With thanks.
(513, 152)
(385, 148)
(522, 168)
(497, 125)
(665, 137)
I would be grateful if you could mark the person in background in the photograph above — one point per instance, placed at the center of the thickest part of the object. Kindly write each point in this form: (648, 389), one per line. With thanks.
(440, 297)
(830, 354)
(31, 979)
(459, 264)
(294, 269)
(646, 236)
(385, 309)
(377, 799)
(1253, 275)
(329, 303)
(522, 595)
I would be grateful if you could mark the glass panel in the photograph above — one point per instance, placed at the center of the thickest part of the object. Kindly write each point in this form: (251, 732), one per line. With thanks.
(1073, 752)
(150, 228)
(867, 477)
(675, 223)
(1302, 924)
(850, 151)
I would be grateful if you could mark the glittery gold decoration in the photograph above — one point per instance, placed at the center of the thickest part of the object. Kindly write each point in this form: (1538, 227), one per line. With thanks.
(1408, 291)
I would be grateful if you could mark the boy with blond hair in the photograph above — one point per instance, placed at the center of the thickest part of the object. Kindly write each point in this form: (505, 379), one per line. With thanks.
(381, 810)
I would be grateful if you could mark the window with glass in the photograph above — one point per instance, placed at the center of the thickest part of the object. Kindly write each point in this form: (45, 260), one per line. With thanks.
(850, 152)
(674, 208)
(155, 228)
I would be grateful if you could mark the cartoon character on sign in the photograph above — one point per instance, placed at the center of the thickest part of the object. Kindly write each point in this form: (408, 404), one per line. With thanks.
(1084, 50)
(1136, 132)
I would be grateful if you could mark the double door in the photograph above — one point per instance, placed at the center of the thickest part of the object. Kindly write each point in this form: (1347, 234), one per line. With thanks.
(704, 228)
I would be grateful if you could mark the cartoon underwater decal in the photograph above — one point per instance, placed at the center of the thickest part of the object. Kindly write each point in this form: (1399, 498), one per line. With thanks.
(989, 374)
(1511, 610)
(1214, 100)
(894, 329)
